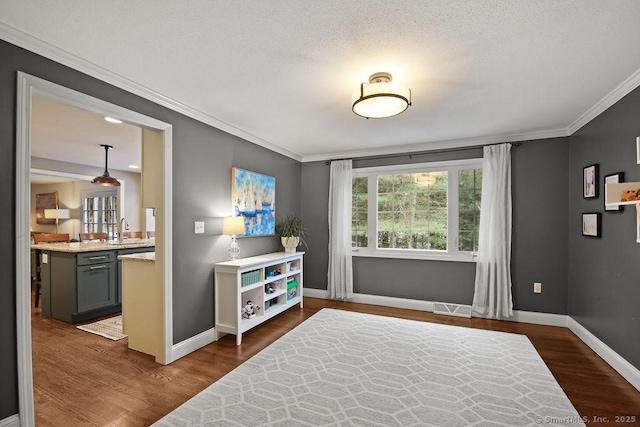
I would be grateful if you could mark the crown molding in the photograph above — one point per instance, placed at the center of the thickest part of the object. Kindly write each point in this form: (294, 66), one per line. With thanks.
(47, 50)
(611, 98)
(438, 145)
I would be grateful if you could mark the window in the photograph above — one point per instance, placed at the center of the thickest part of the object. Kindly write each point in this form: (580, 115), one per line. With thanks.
(427, 211)
(360, 206)
(100, 212)
(469, 194)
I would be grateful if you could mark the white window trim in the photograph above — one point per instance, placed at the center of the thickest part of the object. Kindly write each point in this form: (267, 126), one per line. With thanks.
(452, 253)
(101, 192)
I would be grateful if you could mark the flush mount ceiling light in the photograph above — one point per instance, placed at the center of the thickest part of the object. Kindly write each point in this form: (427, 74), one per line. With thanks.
(105, 179)
(380, 98)
(112, 120)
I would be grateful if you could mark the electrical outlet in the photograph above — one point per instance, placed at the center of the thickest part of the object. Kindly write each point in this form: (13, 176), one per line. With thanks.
(537, 287)
(199, 227)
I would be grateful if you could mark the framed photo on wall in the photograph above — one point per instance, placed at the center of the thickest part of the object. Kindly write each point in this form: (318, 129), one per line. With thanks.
(613, 178)
(45, 201)
(591, 224)
(590, 182)
(254, 198)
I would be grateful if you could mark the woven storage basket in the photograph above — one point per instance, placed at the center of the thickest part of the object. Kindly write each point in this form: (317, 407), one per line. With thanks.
(250, 277)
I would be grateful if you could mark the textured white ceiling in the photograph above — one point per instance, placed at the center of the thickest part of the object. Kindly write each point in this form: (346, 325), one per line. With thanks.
(68, 134)
(282, 72)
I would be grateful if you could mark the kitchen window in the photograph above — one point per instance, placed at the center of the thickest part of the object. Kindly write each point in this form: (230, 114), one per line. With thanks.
(423, 211)
(100, 212)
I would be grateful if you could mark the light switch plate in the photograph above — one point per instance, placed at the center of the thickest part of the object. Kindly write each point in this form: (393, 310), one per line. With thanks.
(199, 227)
(537, 287)
(45, 258)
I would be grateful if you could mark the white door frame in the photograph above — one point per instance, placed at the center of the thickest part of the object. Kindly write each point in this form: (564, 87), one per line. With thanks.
(27, 86)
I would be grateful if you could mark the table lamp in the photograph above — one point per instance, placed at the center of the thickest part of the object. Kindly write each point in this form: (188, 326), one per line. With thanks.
(57, 214)
(232, 226)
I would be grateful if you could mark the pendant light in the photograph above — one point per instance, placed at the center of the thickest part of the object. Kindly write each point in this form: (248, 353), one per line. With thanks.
(380, 98)
(105, 179)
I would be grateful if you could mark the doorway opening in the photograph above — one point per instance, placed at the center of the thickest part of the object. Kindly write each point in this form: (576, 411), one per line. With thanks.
(27, 87)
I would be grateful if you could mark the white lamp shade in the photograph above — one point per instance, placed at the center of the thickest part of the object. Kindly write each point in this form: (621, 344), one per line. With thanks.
(57, 213)
(233, 225)
(378, 100)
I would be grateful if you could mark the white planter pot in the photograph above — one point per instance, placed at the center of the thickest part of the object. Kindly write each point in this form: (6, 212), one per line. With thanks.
(290, 243)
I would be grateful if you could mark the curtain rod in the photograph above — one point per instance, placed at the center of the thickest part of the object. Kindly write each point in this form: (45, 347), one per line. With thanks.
(420, 153)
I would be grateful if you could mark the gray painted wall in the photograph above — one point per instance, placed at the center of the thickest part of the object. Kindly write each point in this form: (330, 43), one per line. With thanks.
(202, 161)
(8, 357)
(202, 191)
(315, 199)
(540, 185)
(604, 279)
(597, 284)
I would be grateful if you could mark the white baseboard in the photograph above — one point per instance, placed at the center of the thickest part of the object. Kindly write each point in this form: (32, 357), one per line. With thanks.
(548, 319)
(12, 421)
(191, 344)
(315, 293)
(410, 304)
(617, 362)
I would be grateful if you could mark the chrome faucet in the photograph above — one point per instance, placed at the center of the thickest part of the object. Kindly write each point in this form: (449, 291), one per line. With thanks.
(121, 228)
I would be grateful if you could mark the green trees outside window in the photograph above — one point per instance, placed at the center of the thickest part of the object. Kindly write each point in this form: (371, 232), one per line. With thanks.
(420, 210)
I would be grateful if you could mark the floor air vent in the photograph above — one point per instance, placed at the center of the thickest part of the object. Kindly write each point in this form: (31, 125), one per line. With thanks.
(452, 309)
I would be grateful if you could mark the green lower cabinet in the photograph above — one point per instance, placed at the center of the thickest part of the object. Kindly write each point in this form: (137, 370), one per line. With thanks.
(96, 286)
(83, 286)
(77, 287)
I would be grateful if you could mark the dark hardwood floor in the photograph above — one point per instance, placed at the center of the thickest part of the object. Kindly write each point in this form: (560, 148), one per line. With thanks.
(82, 379)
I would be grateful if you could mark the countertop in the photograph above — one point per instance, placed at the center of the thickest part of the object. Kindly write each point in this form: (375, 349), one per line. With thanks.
(144, 257)
(95, 246)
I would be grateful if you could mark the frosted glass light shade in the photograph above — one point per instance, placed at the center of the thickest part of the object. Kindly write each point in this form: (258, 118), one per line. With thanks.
(57, 213)
(378, 100)
(233, 225)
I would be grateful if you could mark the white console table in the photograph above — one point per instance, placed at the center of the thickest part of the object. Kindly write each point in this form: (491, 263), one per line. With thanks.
(273, 282)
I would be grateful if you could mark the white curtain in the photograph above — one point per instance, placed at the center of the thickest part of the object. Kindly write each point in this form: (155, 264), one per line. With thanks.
(340, 272)
(492, 297)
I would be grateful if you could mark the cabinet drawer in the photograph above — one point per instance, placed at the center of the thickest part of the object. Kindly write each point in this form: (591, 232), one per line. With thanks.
(96, 257)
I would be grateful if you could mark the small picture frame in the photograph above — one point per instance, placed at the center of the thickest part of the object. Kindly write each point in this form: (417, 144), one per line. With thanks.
(591, 224)
(613, 178)
(45, 201)
(590, 182)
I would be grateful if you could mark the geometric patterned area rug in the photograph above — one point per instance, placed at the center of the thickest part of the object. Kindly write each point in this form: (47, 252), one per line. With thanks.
(109, 328)
(340, 368)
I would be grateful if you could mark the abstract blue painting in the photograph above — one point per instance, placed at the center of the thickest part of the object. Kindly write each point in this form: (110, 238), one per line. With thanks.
(254, 198)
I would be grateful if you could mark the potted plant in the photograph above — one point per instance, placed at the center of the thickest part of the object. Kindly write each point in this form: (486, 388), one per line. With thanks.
(291, 232)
